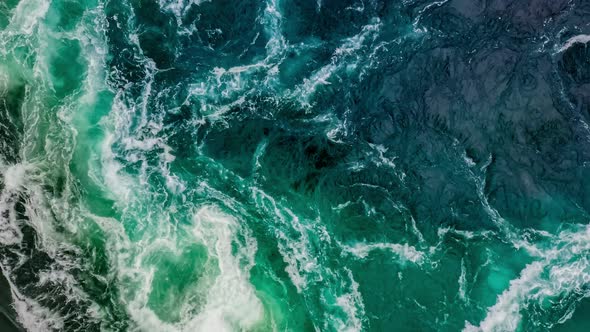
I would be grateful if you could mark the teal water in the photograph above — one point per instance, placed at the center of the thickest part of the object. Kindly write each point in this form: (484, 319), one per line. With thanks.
(275, 165)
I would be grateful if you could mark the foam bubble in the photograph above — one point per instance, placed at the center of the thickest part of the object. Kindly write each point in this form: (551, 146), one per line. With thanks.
(404, 252)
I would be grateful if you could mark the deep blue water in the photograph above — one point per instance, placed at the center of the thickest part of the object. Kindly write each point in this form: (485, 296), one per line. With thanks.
(193, 165)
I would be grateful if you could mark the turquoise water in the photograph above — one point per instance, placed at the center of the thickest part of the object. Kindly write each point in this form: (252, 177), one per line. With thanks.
(274, 165)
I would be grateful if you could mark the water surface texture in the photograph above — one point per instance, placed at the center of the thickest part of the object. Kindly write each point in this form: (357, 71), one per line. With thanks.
(295, 165)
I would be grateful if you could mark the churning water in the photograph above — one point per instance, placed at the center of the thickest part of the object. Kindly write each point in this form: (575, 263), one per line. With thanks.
(282, 165)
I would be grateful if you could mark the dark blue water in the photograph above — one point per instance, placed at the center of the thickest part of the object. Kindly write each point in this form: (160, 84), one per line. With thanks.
(190, 165)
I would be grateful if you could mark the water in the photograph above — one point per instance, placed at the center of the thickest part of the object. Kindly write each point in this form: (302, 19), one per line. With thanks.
(274, 165)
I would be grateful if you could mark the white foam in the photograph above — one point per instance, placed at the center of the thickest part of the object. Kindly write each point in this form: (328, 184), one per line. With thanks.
(351, 304)
(463, 282)
(30, 314)
(179, 7)
(95, 49)
(24, 181)
(344, 57)
(573, 40)
(27, 15)
(41, 211)
(118, 184)
(360, 7)
(336, 129)
(425, 9)
(468, 235)
(479, 179)
(260, 150)
(562, 269)
(302, 265)
(305, 268)
(57, 276)
(272, 20)
(404, 252)
(14, 179)
(14, 176)
(136, 144)
(5, 81)
(382, 160)
(35, 317)
(341, 206)
(227, 88)
(505, 314)
(231, 302)
(224, 297)
(561, 255)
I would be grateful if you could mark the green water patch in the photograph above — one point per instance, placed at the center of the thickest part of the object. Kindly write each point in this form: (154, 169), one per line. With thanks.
(67, 66)
(65, 15)
(175, 278)
(284, 305)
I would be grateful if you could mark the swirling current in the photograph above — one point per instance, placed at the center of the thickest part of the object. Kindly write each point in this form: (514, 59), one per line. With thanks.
(295, 165)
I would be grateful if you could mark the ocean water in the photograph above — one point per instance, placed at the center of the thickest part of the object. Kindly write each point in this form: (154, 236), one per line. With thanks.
(295, 165)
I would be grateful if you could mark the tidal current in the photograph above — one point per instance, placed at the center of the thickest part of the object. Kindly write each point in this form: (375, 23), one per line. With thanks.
(283, 165)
